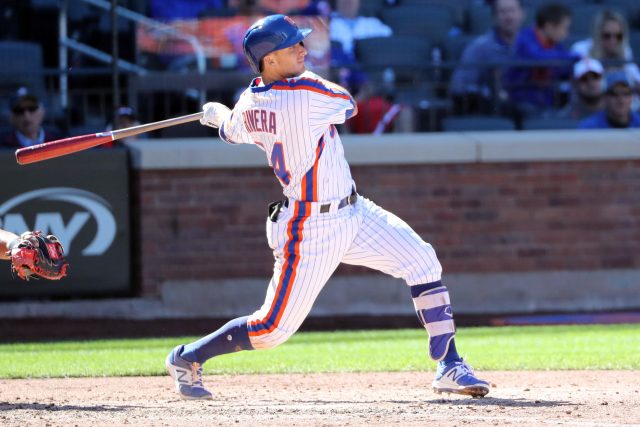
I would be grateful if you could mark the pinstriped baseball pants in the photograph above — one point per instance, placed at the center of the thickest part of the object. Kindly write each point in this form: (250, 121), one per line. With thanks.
(308, 249)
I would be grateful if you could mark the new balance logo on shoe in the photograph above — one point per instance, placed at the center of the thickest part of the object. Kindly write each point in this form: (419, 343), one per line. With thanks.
(452, 374)
(181, 376)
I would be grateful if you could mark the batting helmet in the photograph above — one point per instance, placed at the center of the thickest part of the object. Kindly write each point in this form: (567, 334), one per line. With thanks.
(269, 34)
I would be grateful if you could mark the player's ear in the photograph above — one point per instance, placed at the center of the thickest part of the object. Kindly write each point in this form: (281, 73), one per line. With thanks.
(269, 59)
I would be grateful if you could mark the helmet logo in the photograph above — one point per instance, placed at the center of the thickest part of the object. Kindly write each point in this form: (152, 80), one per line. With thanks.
(290, 21)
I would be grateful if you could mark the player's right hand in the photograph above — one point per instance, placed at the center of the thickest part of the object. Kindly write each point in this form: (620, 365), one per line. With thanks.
(214, 114)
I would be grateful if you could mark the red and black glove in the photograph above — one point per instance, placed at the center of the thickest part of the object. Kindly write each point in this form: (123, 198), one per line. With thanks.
(36, 255)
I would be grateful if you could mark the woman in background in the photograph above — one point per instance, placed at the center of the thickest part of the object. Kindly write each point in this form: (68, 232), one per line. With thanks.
(609, 44)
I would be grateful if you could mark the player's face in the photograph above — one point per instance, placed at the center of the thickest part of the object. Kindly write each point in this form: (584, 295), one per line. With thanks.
(288, 62)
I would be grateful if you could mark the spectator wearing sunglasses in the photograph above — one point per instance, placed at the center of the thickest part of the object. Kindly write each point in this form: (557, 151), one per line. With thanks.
(27, 115)
(587, 90)
(617, 113)
(609, 43)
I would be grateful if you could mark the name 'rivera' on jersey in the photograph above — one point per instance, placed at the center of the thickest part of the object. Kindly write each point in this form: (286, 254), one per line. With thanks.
(258, 120)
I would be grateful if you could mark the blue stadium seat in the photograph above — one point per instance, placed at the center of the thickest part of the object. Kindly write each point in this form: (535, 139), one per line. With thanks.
(432, 22)
(479, 19)
(393, 51)
(458, 8)
(371, 7)
(634, 41)
(453, 47)
(22, 65)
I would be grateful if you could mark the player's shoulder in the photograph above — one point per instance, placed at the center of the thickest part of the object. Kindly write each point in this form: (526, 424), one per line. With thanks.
(311, 82)
(309, 79)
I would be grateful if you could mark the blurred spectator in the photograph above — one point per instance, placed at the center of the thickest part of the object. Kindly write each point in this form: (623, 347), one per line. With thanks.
(474, 82)
(124, 117)
(27, 115)
(347, 26)
(295, 7)
(532, 89)
(610, 44)
(378, 114)
(170, 10)
(586, 96)
(617, 106)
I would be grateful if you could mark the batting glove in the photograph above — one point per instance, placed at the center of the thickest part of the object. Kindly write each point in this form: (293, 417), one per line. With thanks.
(214, 114)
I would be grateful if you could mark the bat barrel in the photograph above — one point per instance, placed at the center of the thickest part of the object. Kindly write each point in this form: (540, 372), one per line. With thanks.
(61, 147)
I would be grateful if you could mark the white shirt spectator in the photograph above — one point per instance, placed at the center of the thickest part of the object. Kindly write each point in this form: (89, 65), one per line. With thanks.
(347, 30)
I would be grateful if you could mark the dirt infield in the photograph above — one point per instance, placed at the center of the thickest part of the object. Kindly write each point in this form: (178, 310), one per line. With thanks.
(582, 398)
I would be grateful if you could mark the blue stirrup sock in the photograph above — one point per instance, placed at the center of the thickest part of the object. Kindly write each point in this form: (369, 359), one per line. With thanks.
(232, 337)
(433, 307)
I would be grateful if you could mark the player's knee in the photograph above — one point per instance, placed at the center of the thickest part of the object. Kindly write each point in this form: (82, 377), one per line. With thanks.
(425, 268)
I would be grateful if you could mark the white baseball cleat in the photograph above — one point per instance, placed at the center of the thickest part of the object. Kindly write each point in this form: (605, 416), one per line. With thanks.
(187, 375)
(458, 377)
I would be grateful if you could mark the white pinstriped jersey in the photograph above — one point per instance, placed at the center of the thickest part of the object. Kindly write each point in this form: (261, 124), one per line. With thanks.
(293, 122)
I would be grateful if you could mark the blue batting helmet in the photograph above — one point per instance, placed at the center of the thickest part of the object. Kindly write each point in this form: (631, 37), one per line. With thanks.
(269, 34)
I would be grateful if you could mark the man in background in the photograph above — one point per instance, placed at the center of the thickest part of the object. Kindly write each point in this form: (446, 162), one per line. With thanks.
(27, 115)
(617, 112)
(473, 83)
(588, 90)
(124, 117)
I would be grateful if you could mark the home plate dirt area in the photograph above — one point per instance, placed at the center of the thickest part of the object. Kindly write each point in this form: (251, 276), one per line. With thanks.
(575, 398)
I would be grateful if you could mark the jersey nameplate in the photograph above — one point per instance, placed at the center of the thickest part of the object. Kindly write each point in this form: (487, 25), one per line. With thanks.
(259, 120)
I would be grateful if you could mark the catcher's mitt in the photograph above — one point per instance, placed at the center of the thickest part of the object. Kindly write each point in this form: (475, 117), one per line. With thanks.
(35, 255)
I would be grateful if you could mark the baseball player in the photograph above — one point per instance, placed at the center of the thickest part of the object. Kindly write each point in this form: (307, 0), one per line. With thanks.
(33, 255)
(290, 113)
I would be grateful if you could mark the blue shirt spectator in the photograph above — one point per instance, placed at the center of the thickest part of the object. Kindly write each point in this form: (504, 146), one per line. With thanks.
(601, 121)
(493, 48)
(294, 7)
(617, 112)
(531, 88)
(170, 10)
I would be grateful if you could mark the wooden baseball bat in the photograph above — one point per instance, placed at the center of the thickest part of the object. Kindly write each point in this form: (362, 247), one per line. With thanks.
(62, 147)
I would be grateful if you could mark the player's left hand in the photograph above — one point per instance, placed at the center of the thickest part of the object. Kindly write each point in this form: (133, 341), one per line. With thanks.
(35, 255)
(214, 114)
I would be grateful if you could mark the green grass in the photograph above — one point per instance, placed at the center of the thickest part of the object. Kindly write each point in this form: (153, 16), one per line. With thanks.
(502, 348)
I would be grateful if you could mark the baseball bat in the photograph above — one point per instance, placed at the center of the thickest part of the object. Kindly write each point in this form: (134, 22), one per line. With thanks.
(62, 147)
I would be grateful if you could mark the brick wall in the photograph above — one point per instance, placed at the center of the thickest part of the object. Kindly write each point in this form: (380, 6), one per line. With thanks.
(200, 224)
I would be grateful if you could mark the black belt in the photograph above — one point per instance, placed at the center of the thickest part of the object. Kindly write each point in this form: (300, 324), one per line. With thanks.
(349, 200)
